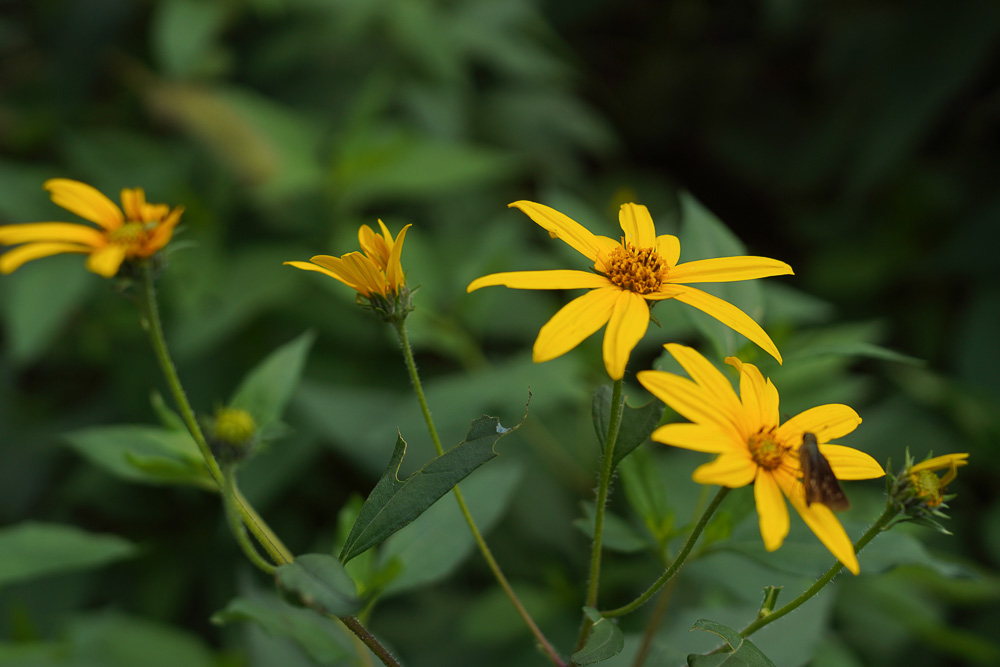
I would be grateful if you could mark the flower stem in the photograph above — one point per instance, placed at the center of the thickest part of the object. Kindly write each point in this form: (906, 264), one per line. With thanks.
(484, 549)
(369, 640)
(232, 498)
(880, 524)
(603, 488)
(236, 523)
(678, 561)
(600, 503)
(154, 327)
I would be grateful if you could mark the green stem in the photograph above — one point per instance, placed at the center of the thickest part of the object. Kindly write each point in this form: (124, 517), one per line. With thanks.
(236, 522)
(484, 549)
(232, 496)
(154, 327)
(678, 561)
(603, 488)
(887, 515)
(600, 503)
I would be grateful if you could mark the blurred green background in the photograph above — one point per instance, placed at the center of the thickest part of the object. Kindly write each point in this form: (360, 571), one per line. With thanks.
(856, 140)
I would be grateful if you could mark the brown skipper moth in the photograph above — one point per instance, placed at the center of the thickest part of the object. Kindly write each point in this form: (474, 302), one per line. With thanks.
(820, 483)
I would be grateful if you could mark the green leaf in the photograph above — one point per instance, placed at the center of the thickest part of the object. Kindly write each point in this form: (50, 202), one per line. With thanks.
(646, 492)
(605, 641)
(703, 236)
(112, 639)
(267, 388)
(319, 581)
(148, 454)
(185, 38)
(858, 349)
(393, 503)
(619, 535)
(29, 550)
(636, 423)
(439, 540)
(742, 651)
(315, 634)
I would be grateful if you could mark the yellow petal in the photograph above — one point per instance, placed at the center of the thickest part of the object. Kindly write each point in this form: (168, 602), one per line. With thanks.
(107, 260)
(941, 462)
(823, 522)
(696, 437)
(848, 463)
(726, 269)
(772, 513)
(51, 231)
(626, 327)
(13, 259)
(554, 279)
(668, 248)
(336, 267)
(732, 469)
(691, 400)
(729, 315)
(561, 226)
(826, 422)
(394, 269)
(164, 231)
(309, 266)
(363, 271)
(637, 224)
(133, 203)
(708, 376)
(85, 201)
(574, 322)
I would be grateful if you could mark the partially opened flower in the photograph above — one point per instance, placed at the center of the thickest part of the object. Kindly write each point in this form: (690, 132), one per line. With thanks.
(136, 231)
(376, 275)
(753, 447)
(639, 268)
(919, 491)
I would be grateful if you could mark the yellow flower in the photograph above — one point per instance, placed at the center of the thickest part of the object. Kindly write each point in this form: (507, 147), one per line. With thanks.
(924, 482)
(753, 447)
(377, 271)
(139, 232)
(640, 268)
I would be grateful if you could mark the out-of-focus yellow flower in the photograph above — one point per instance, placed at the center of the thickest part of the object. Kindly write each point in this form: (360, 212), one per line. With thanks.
(377, 271)
(924, 482)
(639, 268)
(136, 231)
(753, 447)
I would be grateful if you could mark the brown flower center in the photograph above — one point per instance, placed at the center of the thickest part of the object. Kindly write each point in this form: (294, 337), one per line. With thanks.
(765, 449)
(639, 270)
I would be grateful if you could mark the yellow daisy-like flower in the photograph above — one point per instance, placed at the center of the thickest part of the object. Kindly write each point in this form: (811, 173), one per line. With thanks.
(754, 447)
(138, 232)
(926, 485)
(641, 267)
(377, 271)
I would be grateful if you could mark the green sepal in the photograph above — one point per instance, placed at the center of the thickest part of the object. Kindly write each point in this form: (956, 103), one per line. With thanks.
(635, 427)
(319, 581)
(742, 652)
(605, 641)
(394, 503)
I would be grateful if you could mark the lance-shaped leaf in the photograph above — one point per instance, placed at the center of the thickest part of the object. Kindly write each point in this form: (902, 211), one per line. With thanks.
(394, 503)
(605, 641)
(742, 652)
(319, 581)
(266, 389)
(636, 423)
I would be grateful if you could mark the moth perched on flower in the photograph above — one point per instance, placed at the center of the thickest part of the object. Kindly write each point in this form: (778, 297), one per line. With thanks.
(754, 447)
(629, 274)
(138, 230)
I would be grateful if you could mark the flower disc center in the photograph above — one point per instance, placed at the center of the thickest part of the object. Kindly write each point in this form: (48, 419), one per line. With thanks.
(639, 270)
(765, 449)
(131, 234)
